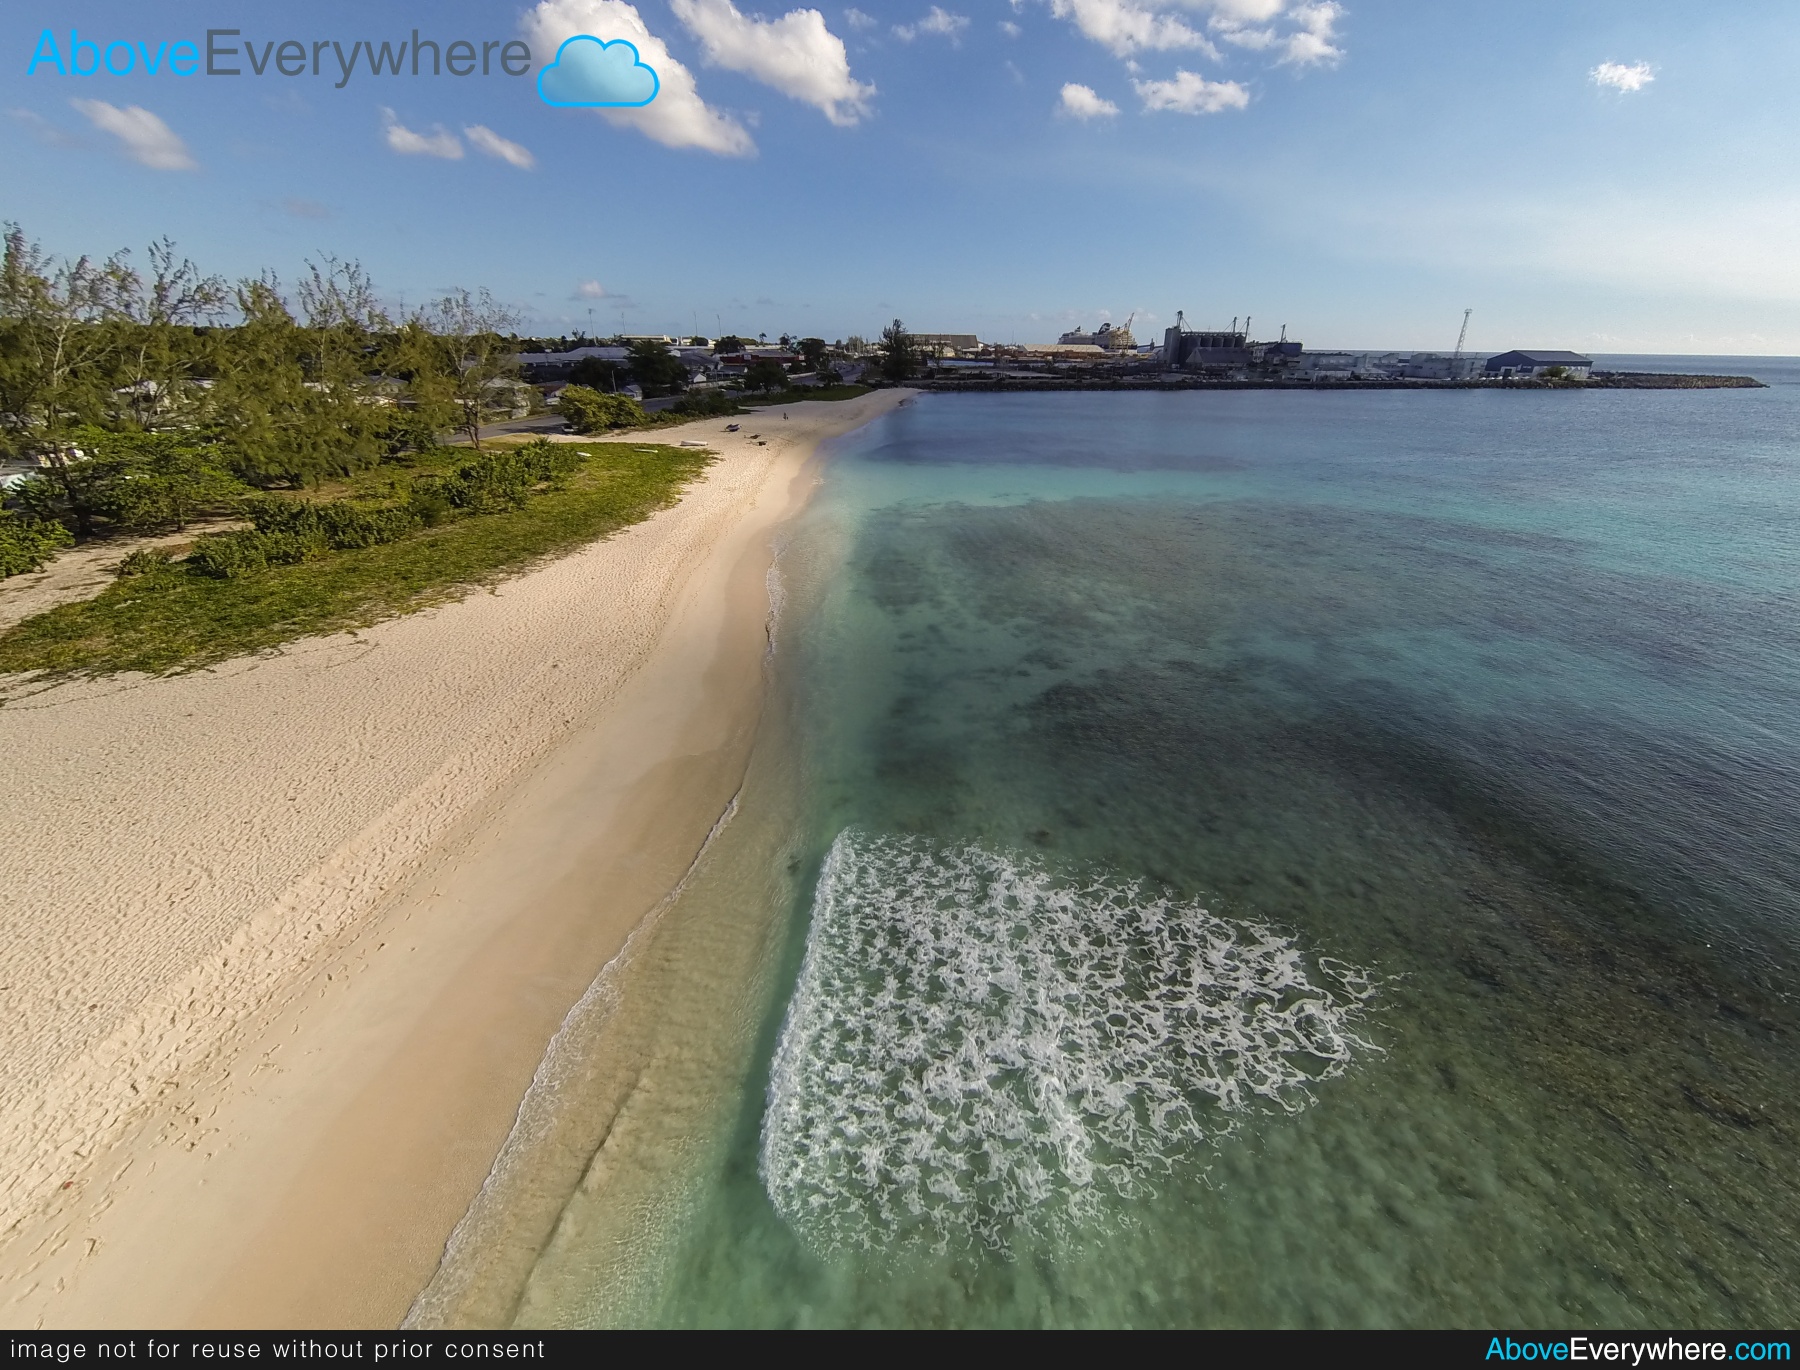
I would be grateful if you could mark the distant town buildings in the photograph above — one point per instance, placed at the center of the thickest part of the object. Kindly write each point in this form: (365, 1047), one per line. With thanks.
(947, 344)
(1223, 354)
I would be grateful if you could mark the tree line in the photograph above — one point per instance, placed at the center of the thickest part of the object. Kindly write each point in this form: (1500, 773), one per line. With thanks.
(142, 395)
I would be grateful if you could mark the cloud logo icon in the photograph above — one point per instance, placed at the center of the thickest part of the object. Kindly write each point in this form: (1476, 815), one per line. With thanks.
(588, 73)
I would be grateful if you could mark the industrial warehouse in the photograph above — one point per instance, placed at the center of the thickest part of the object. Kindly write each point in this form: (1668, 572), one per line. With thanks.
(1231, 355)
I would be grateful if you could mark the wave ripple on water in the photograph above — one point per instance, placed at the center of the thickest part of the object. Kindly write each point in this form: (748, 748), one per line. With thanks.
(977, 1048)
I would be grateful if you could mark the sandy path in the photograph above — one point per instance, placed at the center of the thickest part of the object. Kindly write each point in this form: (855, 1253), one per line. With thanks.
(284, 940)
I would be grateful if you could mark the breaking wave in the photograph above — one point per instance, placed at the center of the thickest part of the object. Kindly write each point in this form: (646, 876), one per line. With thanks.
(978, 1048)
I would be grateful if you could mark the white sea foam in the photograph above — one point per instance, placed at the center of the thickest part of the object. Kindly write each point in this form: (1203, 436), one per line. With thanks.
(777, 588)
(977, 1047)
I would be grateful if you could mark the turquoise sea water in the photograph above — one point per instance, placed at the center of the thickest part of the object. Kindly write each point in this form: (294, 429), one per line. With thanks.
(1237, 859)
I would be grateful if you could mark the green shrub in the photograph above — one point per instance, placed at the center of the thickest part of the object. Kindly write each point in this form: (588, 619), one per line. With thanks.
(191, 620)
(427, 502)
(504, 479)
(706, 404)
(228, 556)
(26, 544)
(287, 532)
(590, 411)
(340, 526)
(146, 561)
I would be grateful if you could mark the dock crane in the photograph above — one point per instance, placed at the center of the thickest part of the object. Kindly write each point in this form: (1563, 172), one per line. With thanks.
(1461, 338)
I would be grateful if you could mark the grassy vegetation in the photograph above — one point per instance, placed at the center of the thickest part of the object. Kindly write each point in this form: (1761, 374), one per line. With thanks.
(169, 618)
(739, 402)
(823, 392)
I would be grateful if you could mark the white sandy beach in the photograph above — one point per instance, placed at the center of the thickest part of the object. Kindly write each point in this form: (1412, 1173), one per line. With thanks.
(284, 939)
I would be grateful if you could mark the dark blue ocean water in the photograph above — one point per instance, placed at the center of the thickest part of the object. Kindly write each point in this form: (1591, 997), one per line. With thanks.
(1271, 859)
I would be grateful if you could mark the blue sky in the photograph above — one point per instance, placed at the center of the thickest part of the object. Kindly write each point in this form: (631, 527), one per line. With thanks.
(1360, 171)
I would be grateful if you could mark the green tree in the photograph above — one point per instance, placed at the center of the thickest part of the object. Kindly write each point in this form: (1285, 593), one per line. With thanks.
(656, 368)
(729, 343)
(57, 352)
(596, 373)
(426, 405)
(899, 352)
(471, 328)
(81, 487)
(139, 482)
(163, 479)
(344, 324)
(289, 404)
(812, 351)
(300, 402)
(591, 411)
(163, 346)
(765, 373)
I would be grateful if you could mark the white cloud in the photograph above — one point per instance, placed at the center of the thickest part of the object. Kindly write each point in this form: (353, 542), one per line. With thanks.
(438, 143)
(1258, 40)
(1311, 43)
(45, 131)
(486, 140)
(856, 19)
(1124, 27)
(677, 117)
(1191, 94)
(795, 54)
(147, 139)
(590, 290)
(1302, 32)
(1620, 77)
(1083, 102)
(938, 22)
(1245, 11)
(1010, 29)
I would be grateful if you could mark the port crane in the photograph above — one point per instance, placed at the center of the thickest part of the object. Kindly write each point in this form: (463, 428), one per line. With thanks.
(1461, 338)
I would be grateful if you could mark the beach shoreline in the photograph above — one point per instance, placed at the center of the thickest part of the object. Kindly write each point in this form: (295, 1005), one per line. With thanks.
(348, 892)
